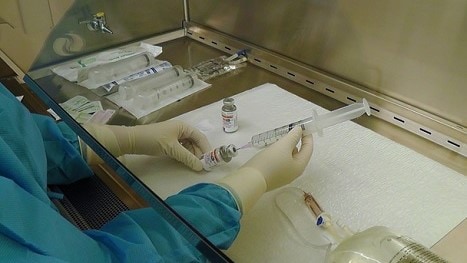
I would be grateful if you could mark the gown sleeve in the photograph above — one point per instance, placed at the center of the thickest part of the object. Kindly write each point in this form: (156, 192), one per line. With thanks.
(31, 230)
(64, 161)
(21, 148)
(207, 207)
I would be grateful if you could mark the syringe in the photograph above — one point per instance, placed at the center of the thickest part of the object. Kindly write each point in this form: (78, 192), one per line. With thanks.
(150, 98)
(316, 123)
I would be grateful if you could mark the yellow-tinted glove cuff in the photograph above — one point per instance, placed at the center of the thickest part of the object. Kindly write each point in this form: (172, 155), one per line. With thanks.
(246, 185)
(105, 136)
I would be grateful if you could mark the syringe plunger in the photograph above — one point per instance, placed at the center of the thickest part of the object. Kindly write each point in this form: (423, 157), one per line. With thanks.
(316, 123)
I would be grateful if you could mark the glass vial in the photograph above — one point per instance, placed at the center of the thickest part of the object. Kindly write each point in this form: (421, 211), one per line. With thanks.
(229, 115)
(218, 156)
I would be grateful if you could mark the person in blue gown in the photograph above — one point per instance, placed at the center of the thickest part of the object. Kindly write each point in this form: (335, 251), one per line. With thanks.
(35, 151)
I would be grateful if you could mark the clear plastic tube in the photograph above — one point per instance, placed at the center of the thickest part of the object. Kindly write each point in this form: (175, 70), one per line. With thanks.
(106, 73)
(377, 244)
(316, 123)
(130, 89)
(299, 221)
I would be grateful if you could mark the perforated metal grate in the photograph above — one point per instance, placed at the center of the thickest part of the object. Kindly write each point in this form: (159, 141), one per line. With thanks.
(88, 203)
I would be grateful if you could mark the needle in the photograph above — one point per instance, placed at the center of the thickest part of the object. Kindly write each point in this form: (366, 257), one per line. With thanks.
(248, 145)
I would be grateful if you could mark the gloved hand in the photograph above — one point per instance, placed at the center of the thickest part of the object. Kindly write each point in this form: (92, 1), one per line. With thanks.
(175, 139)
(275, 166)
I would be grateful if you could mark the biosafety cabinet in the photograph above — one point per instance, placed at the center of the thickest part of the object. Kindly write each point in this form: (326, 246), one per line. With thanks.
(403, 167)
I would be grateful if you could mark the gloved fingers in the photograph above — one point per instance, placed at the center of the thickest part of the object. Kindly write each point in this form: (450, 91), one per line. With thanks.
(187, 144)
(194, 149)
(188, 132)
(183, 155)
(295, 151)
(291, 139)
(296, 134)
(198, 152)
(306, 149)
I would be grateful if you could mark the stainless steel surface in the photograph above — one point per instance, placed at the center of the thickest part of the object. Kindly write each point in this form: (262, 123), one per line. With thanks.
(187, 52)
(295, 58)
(4, 22)
(129, 22)
(417, 121)
(412, 51)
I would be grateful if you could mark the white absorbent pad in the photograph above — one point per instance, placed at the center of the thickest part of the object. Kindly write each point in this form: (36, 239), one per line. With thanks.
(359, 177)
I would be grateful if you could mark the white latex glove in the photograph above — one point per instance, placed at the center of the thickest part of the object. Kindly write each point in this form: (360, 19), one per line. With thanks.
(175, 139)
(273, 167)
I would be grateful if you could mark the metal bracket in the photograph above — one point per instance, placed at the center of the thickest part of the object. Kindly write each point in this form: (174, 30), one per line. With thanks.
(97, 23)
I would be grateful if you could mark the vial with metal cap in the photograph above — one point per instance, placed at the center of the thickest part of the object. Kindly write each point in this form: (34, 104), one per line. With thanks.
(229, 115)
(218, 156)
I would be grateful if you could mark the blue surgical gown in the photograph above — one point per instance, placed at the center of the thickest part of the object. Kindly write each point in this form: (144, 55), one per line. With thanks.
(35, 151)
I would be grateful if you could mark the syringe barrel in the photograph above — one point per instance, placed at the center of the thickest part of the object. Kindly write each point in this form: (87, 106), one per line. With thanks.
(349, 112)
(316, 123)
(271, 136)
(152, 97)
(106, 73)
(176, 86)
(130, 89)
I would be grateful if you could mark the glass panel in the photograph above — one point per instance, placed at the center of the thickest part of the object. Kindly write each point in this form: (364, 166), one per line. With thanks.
(90, 27)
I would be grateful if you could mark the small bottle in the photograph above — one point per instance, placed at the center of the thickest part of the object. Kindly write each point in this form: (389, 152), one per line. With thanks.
(229, 115)
(217, 156)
